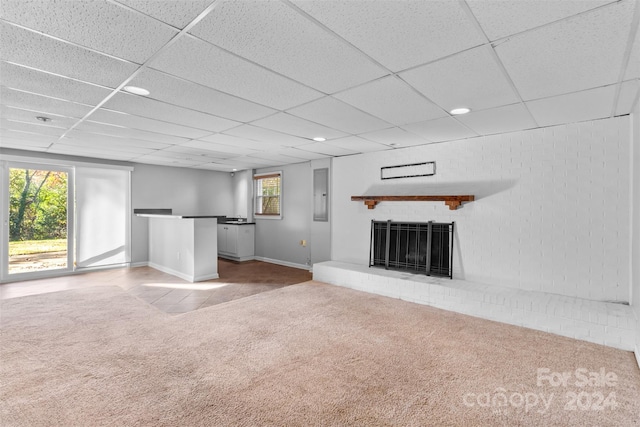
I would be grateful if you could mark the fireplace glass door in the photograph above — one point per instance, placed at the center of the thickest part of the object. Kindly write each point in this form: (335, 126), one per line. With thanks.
(425, 248)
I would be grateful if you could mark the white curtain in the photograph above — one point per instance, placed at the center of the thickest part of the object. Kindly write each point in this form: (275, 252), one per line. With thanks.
(102, 217)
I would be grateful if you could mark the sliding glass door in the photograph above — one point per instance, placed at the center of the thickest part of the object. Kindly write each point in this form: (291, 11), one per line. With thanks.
(40, 220)
(63, 218)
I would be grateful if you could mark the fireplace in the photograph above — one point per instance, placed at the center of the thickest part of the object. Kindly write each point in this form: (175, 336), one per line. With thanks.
(418, 247)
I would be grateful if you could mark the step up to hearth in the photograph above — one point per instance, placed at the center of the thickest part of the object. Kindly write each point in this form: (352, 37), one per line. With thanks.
(594, 321)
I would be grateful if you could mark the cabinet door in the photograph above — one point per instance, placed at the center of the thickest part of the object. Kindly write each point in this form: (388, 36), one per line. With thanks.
(232, 239)
(222, 238)
(246, 244)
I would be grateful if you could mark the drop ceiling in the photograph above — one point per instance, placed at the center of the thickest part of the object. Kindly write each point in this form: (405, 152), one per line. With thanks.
(247, 84)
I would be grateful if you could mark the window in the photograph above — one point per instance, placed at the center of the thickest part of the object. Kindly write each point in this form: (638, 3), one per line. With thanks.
(268, 192)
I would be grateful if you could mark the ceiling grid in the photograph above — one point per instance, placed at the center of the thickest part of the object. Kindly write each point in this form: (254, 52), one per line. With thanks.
(246, 84)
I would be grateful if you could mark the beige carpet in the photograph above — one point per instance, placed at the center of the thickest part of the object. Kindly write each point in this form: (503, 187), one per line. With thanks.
(307, 354)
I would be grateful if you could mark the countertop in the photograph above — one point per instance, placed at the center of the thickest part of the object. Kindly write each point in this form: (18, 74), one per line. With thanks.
(221, 219)
(237, 223)
(176, 216)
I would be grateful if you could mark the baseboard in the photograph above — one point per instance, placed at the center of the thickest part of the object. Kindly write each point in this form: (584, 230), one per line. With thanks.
(180, 274)
(139, 264)
(235, 258)
(637, 353)
(285, 263)
(206, 277)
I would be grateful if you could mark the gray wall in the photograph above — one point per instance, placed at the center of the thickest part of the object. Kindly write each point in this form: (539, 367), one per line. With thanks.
(186, 191)
(242, 183)
(279, 239)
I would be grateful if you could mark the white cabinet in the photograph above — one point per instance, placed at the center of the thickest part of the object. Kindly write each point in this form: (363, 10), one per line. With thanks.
(236, 242)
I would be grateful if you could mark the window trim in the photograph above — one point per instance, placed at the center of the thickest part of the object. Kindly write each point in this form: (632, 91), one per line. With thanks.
(257, 177)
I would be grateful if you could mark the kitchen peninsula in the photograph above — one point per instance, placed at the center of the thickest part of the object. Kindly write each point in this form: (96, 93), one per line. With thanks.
(184, 246)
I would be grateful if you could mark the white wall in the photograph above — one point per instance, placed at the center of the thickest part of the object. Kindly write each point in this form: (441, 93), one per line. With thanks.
(552, 209)
(186, 191)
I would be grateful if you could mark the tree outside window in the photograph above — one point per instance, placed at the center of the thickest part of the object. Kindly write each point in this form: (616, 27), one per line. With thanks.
(268, 194)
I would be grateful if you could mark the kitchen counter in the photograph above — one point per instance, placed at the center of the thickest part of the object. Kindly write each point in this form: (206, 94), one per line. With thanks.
(184, 245)
(177, 216)
(237, 222)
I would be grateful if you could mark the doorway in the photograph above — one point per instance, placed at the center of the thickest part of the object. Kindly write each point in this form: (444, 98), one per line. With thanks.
(40, 219)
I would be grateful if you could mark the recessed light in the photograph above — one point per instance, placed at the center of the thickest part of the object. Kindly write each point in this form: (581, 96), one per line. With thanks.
(137, 90)
(234, 169)
(458, 111)
(319, 139)
(43, 119)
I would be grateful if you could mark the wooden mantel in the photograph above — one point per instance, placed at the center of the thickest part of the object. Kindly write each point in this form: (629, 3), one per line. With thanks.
(452, 201)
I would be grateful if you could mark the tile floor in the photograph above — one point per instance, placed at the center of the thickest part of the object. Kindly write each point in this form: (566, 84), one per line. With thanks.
(166, 292)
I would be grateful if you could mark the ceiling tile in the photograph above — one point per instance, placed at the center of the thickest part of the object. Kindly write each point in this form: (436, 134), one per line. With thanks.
(574, 107)
(103, 26)
(29, 80)
(122, 132)
(244, 162)
(42, 104)
(195, 154)
(301, 154)
(99, 140)
(201, 62)
(471, 79)
(575, 54)
(326, 149)
(392, 100)
(111, 146)
(151, 108)
(357, 144)
(335, 114)
(142, 123)
(197, 97)
(261, 134)
(445, 129)
(73, 150)
(281, 39)
(287, 123)
(28, 137)
(237, 142)
(633, 67)
(219, 150)
(280, 159)
(499, 120)
(628, 96)
(395, 137)
(41, 129)
(24, 144)
(398, 34)
(29, 116)
(499, 18)
(215, 167)
(177, 13)
(35, 50)
(168, 160)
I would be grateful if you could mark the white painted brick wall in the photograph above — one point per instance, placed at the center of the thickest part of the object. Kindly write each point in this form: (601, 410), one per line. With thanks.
(552, 212)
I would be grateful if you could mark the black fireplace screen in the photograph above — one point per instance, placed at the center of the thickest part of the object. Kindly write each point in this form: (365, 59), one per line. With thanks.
(421, 247)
